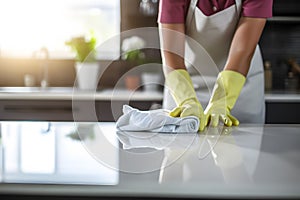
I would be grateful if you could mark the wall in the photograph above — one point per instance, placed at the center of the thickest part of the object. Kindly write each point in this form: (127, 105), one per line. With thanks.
(61, 72)
(12, 71)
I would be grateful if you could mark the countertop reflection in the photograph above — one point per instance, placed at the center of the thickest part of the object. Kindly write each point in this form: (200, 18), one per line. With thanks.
(47, 152)
(96, 159)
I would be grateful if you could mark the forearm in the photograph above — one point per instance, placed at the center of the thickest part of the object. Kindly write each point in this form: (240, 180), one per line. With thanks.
(244, 43)
(172, 41)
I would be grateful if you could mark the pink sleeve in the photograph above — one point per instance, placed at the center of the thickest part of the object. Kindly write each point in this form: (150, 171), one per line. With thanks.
(257, 8)
(172, 11)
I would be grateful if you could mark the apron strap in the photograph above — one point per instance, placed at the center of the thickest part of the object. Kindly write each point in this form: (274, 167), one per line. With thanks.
(238, 5)
(191, 11)
(193, 5)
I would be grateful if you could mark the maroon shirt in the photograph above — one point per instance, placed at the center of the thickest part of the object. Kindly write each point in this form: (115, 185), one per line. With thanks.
(175, 11)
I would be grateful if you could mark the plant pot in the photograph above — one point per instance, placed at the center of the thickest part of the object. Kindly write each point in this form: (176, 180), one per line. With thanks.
(87, 75)
(151, 81)
(132, 82)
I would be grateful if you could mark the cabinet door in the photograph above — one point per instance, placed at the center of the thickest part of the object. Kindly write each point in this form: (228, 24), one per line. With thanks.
(67, 110)
(35, 110)
(282, 113)
(110, 111)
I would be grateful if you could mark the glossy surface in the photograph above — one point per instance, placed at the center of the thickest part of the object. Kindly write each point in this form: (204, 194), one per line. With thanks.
(94, 159)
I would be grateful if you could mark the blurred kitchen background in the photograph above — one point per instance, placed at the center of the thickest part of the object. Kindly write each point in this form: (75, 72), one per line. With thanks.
(31, 25)
(33, 35)
(280, 44)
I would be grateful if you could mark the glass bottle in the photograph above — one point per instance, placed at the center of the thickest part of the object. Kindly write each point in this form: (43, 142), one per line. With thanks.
(268, 75)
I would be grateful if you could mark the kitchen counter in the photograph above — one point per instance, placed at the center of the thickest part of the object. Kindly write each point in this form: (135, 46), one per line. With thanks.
(51, 159)
(282, 96)
(60, 103)
(67, 103)
(69, 93)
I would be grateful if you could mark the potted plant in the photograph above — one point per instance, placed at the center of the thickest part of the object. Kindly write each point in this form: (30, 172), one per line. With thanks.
(147, 75)
(86, 66)
(134, 56)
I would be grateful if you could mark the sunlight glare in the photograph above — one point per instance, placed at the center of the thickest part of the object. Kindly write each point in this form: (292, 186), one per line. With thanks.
(33, 24)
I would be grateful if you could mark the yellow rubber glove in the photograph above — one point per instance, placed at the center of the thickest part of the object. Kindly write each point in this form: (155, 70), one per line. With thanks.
(181, 87)
(225, 93)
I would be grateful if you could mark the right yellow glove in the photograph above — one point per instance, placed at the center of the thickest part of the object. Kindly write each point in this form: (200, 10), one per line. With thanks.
(181, 87)
(225, 93)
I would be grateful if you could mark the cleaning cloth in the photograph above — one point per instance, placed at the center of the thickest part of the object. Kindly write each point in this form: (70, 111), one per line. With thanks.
(155, 121)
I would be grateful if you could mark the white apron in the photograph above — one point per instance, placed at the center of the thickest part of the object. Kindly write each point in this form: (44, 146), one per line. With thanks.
(214, 33)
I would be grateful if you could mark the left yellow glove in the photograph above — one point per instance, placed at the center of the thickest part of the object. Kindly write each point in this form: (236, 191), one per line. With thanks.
(225, 93)
(181, 87)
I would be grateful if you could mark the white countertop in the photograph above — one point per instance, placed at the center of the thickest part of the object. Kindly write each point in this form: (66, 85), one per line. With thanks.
(69, 93)
(249, 161)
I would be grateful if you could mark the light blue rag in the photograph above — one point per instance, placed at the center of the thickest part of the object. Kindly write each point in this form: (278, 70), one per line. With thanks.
(155, 121)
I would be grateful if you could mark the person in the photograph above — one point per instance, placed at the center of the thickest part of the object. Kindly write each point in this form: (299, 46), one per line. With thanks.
(195, 32)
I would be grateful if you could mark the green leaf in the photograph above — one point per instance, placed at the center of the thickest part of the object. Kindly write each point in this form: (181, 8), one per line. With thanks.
(85, 50)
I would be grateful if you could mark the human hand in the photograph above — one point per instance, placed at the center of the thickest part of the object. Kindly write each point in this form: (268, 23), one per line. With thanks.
(182, 90)
(191, 107)
(226, 91)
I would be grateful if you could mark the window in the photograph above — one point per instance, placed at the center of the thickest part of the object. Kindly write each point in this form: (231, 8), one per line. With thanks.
(28, 25)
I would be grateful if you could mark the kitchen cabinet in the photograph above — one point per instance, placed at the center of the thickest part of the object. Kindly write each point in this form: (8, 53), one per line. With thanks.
(64, 110)
(282, 113)
(286, 7)
(280, 40)
(282, 107)
(66, 104)
(35, 110)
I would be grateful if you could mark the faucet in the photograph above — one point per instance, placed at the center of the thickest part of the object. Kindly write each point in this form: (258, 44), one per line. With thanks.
(43, 55)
